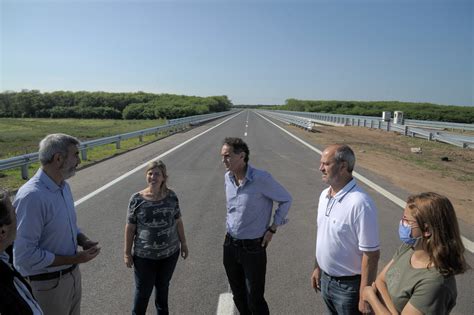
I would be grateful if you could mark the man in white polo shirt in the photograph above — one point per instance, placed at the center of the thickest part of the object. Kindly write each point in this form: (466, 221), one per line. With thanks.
(347, 245)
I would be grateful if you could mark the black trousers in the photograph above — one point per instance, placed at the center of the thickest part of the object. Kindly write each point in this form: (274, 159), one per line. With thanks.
(245, 263)
(151, 273)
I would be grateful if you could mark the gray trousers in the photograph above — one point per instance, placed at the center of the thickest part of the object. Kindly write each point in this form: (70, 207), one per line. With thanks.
(61, 295)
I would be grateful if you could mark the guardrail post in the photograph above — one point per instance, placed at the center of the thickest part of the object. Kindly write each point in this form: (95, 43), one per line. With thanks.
(117, 144)
(24, 171)
(388, 126)
(405, 131)
(430, 136)
(371, 124)
(140, 138)
(84, 154)
(365, 123)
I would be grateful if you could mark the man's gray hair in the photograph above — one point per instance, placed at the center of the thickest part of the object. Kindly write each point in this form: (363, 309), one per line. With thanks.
(55, 143)
(345, 154)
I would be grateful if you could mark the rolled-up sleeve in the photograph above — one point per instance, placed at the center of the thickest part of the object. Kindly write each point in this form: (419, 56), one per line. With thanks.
(30, 222)
(276, 192)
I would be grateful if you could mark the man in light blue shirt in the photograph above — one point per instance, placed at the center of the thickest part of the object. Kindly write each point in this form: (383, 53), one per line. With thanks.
(45, 250)
(250, 194)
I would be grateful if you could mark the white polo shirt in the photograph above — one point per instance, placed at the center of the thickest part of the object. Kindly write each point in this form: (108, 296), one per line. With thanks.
(347, 226)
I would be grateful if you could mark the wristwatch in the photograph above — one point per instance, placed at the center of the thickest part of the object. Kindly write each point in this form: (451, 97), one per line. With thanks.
(273, 231)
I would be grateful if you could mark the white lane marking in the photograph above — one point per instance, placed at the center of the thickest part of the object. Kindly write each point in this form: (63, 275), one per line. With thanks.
(225, 306)
(246, 124)
(468, 244)
(136, 169)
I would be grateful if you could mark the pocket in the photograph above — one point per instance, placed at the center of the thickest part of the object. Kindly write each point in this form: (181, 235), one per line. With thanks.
(46, 285)
(253, 247)
(350, 286)
(249, 199)
(227, 241)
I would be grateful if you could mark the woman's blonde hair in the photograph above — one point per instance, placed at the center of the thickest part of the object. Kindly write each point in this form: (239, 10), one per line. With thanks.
(435, 214)
(162, 167)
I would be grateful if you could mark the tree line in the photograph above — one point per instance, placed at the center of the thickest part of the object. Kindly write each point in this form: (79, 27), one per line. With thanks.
(105, 105)
(419, 111)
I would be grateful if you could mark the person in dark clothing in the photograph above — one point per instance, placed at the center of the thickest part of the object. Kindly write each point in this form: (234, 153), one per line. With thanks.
(16, 297)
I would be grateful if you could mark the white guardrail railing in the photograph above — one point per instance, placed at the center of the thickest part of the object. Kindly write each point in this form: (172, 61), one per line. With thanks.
(413, 128)
(173, 125)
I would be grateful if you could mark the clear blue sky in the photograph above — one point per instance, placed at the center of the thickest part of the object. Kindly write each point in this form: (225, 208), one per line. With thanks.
(255, 52)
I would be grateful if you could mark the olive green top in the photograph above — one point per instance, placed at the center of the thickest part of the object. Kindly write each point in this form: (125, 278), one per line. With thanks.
(426, 289)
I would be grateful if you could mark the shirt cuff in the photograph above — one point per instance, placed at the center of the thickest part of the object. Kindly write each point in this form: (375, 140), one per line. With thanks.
(278, 221)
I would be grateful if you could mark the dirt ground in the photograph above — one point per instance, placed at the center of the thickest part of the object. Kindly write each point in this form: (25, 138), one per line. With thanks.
(389, 155)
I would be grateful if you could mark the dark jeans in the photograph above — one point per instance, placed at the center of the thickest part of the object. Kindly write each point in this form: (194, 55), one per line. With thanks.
(149, 273)
(340, 295)
(245, 263)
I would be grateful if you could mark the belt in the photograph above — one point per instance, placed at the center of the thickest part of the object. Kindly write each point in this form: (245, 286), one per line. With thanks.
(242, 242)
(51, 275)
(343, 278)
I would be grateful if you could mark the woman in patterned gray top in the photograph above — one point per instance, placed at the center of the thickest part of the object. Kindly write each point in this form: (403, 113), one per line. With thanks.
(155, 228)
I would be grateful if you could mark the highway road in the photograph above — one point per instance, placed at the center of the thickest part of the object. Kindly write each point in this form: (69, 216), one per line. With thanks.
(199, 285)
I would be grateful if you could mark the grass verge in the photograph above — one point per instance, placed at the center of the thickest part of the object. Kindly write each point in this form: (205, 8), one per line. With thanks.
(20, 136)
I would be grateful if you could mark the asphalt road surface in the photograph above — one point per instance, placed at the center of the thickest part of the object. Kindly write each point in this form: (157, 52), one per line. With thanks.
(196, 175)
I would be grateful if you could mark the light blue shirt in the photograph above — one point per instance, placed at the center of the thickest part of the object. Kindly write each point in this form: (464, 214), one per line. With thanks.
(46, 225)
(250, 205)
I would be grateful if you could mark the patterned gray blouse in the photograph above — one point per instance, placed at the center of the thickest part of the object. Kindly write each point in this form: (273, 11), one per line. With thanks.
(156, 234)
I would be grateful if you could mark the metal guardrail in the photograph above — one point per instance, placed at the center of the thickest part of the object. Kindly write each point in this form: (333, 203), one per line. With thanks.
(197, 119)
(408, 129)
(439, 124)
(409, 122)
(290, 119)
(172, 126)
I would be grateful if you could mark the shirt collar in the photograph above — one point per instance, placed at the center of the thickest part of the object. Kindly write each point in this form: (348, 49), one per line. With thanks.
(48, 182)
(343, 192)
(248, 174)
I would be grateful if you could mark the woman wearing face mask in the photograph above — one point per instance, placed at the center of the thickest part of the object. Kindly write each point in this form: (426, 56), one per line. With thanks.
(420, 277)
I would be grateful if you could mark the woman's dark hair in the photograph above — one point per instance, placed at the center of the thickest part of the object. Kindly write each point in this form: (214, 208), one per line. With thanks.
(5, 204)
(435, 214)
(238, 146)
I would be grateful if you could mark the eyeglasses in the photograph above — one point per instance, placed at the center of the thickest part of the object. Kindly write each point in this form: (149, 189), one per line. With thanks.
(407, 222)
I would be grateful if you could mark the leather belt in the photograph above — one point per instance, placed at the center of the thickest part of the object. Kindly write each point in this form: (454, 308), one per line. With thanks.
(343, 278)
(51, 275)
(242, 242)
